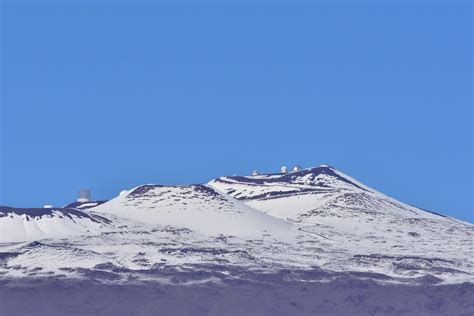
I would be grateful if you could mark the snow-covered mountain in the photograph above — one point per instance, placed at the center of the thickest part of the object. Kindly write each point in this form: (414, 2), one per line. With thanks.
(324, 200)
(308, 195)
(196, 207)
(24, 224)
(376, 229)
(314, 225)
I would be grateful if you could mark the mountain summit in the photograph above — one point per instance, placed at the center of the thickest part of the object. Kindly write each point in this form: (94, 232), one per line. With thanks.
(306, 219)
(309, 195)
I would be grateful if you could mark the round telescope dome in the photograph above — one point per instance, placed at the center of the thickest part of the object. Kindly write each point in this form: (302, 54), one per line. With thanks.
(296, 168)
(284, 169)
(255, 173)
(84, 196)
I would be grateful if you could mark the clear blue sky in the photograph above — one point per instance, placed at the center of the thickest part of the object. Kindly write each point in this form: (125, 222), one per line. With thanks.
(110, 96)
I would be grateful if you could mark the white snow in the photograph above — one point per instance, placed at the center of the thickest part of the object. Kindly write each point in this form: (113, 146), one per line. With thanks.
(306, 219)
(196, 209)
(17, 228)
(87, 205)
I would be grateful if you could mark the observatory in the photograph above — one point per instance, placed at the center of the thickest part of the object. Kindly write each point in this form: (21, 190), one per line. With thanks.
(255, 173)
(84, 196)
(296, 168)
(284, 169)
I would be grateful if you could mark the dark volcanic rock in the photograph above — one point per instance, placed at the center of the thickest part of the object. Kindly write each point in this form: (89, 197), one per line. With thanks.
(277, 296)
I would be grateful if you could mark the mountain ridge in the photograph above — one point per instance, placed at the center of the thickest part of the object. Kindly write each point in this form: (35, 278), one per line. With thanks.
(314, 218)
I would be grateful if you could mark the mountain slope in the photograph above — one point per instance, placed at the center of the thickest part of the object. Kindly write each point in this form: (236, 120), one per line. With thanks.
(306, 195)
(84, 205)
(316, 220)
(27, 224)
(197, 207)
(374, 229)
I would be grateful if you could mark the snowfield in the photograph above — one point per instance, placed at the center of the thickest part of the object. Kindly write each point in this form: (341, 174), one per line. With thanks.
(363, 222)
(197, 207)
(312, 229)
(34, 224)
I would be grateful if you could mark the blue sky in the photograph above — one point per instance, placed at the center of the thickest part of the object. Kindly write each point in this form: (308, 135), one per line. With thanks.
(109, 96)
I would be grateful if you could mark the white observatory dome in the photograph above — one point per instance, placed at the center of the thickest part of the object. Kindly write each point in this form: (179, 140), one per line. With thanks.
(255, 173)
(284, 169)
(84, 196)
(123, 193)
(296, 168)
